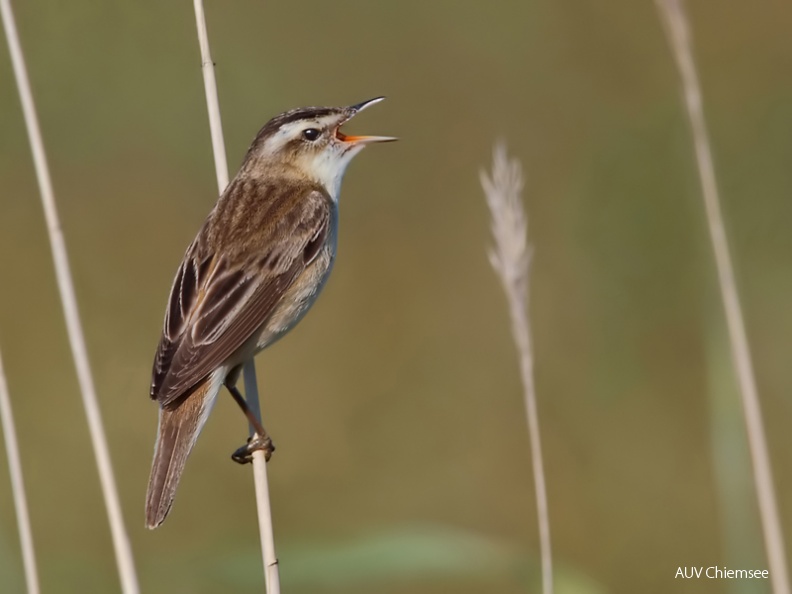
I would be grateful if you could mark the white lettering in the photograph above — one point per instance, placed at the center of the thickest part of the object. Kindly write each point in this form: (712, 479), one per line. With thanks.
(720, 573)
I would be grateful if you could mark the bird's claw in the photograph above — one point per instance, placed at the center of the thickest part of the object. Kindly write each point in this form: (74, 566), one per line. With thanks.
(244, 455)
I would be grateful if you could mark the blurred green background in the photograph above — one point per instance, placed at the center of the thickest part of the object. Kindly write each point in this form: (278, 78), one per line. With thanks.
(403, 460)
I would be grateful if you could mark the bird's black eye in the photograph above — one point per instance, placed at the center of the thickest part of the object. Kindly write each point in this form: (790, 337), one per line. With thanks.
(311, 134)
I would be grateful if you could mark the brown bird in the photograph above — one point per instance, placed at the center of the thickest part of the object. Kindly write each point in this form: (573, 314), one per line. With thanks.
(252, 272)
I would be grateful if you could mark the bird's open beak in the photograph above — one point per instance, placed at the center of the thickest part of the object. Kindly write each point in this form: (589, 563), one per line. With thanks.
(364, 139)
(353, 111)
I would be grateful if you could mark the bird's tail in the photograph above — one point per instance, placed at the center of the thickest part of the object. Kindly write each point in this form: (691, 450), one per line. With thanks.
(178, 429)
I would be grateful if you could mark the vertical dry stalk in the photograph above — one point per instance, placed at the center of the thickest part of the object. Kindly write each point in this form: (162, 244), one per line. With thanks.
(677, 30)
(18, 486)
(263, 506)
(271, 575)
(511, 259)
(123, 551)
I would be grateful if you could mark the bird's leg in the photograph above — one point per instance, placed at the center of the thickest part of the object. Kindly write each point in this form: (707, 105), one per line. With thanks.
(259, 441)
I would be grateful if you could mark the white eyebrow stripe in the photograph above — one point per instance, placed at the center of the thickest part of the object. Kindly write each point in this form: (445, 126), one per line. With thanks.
(290, 130)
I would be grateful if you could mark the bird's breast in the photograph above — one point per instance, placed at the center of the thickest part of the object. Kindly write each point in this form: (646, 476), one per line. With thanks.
(302, 294)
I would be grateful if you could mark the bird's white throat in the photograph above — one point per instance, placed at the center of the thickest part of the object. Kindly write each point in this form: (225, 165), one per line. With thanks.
(328, 168)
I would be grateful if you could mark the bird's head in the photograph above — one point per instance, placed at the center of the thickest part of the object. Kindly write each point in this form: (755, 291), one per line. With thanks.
(309, 141)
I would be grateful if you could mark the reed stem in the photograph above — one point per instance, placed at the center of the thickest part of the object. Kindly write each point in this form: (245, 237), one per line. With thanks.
(18, 486)
(271, 575)
(678, 32)
(123, 550)
(511, 259)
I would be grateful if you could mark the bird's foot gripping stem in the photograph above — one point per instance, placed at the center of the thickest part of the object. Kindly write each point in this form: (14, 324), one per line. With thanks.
(260, 439)
(244, 455)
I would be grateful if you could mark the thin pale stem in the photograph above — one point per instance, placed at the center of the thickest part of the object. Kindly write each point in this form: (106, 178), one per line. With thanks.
(123, 551)
(511, 259)
(677, 30)
(522, 337)
(18, 486)
(269, 559)
(212, 102)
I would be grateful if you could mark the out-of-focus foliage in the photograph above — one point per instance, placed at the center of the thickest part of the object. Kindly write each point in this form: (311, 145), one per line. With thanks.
(396, 408)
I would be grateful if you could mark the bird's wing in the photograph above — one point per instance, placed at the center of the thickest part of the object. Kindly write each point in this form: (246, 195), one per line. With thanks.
(220, 297)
